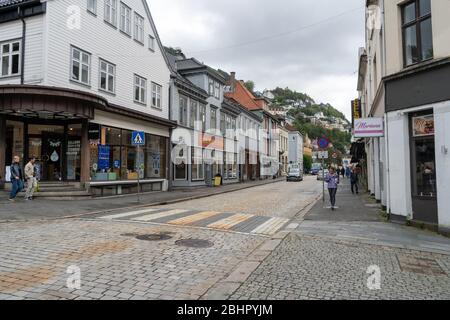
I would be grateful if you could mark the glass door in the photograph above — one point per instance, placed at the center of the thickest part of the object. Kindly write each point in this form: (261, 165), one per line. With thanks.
(423, 167)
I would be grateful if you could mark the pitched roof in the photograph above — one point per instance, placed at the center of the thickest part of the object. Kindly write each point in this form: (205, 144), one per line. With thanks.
(243, 96)
(8, 3)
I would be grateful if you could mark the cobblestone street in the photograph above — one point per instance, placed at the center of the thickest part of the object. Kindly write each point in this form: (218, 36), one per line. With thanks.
(273, 247)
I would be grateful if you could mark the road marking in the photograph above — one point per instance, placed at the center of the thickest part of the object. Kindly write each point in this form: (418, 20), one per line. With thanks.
(193, 218)
(271, 226)
(151, 217)
(293, 226)
(127, 214)
(230, 222)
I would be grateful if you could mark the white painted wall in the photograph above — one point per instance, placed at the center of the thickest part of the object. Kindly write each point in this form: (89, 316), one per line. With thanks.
(442, 128)
(34, 50)
(399, 162)
(103, 41)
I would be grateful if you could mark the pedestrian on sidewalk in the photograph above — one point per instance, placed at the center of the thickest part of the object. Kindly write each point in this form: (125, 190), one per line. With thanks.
(16, 178)
(354, 180)
(30, 176)
(343, 172)
(333, 181)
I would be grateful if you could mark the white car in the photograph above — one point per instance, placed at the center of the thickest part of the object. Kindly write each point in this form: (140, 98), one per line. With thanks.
(321, 174)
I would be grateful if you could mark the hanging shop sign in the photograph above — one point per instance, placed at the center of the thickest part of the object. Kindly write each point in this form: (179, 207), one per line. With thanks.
(369, 128)
(356, 111)
(94, 131)
(423, 125)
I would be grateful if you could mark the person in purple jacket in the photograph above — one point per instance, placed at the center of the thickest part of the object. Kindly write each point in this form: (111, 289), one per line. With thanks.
(333, 181)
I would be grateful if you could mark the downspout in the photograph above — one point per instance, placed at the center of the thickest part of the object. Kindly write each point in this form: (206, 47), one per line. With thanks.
(386, 129)
(24, 31)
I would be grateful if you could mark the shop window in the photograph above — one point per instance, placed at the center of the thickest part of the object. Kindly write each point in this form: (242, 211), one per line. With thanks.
(198, 166)
(14, 144)
(423, 156)
(155, 157)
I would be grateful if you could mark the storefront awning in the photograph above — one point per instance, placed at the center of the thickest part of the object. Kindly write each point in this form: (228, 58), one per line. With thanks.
(48, 102)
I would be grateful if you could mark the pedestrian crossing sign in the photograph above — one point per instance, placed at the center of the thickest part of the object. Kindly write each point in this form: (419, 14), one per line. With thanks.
(138, 138)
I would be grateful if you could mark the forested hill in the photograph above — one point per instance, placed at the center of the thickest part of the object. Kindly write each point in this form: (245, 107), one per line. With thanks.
(304, 103)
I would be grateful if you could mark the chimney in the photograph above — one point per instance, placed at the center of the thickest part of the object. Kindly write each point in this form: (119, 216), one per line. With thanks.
(233, 81)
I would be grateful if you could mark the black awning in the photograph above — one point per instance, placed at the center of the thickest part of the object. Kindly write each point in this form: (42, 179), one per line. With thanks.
(358, 151)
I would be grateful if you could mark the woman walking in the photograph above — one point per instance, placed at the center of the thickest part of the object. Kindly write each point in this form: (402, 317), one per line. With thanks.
(333, 180)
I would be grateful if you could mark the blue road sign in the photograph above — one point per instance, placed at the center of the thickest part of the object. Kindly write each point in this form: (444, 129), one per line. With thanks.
(138, 138)
(323, 143)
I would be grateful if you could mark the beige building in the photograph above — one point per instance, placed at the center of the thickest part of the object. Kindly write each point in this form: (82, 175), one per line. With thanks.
(404, 76)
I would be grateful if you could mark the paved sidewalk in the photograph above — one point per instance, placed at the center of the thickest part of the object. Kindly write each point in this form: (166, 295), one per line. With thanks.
(45, 209)
(360, 218)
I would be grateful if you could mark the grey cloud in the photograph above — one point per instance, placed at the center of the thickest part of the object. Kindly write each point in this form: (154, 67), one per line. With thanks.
(297, 60)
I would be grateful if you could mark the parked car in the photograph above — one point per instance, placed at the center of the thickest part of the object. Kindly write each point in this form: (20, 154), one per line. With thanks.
(294, 173)
(316, 167)
(321, 174)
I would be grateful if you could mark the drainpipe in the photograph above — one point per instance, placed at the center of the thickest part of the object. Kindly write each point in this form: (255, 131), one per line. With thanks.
(24, 31)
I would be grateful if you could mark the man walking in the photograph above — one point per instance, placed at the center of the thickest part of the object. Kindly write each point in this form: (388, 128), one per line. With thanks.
(30, 176)
(354, 179)
(16, 178)
(333, 180)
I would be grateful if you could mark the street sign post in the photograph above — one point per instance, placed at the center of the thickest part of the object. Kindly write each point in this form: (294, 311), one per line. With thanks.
(323, 155)
(138, 140)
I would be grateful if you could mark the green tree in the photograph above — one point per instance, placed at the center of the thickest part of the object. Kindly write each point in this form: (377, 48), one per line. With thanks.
(250, 85)
(307, 162)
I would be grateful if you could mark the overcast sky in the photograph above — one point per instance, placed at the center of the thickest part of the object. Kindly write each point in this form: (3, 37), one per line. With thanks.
(307, 45)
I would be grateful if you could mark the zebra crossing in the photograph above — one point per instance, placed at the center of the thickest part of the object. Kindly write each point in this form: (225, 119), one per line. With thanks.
(237, 222)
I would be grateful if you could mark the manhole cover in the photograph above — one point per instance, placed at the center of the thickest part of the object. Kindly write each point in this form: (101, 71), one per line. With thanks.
(194, 243)
(420, 265)
(153, 237)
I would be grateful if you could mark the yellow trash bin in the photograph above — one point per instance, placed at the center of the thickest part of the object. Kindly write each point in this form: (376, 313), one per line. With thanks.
(217, 181)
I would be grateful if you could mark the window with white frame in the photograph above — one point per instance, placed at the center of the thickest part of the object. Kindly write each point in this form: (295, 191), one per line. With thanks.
(183, 111)
(138, 28)
(156, 96)
(80, 66)
(222, 123)
(216, 90)
(203, 116)
(92, 6)
(107, 76)
(140, 89)
(125, 18)
(193, 114)
(213, 118)
(10, 58)
(211, 87)
(111, 12)
(151, 43)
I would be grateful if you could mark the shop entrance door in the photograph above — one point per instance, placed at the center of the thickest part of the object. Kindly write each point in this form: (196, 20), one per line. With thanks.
(423, 167)
(51, 157)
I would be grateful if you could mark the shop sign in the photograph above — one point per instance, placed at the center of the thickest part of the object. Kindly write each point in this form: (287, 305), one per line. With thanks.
(356, 110)
(369, 128)
(423, 125)
(103, 157)
(94, 131)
